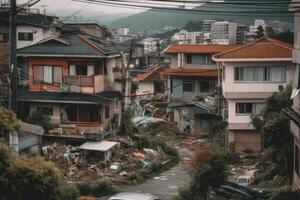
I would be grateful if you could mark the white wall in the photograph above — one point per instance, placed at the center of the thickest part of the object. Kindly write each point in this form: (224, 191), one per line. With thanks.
(145, 87)
(229, 85)
(38, 34)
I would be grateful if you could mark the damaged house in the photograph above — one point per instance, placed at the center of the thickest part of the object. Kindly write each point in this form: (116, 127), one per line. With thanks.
(71, 79)
(192, 77)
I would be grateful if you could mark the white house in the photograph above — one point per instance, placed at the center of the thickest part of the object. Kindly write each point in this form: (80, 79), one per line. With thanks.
(251, 73)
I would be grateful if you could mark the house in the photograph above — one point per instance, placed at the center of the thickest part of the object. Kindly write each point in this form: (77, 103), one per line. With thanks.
(250, 74)
(71, 79)
(295, 112)
(192, 76)
(91, 28)
(31, 28)
(150, 83)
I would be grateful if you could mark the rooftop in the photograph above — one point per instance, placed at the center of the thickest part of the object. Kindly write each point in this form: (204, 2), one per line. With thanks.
(263, 48)
(198, 48)
(191, 72)
(152, 74)
(98, 145)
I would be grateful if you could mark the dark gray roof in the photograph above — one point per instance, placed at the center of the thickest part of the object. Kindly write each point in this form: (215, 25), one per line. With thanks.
(75, 46)
(60, 97)
(72, 44)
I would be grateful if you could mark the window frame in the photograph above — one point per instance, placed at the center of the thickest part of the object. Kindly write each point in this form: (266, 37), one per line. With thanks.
(244, 108)
(42, 81)
(188, 82)
(25, 36)
(5, 37)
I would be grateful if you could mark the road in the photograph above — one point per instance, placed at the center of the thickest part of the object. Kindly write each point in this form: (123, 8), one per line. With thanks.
(166, 184)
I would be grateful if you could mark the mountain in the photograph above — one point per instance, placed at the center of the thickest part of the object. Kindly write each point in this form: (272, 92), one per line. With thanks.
(156, 18)
(102, 18)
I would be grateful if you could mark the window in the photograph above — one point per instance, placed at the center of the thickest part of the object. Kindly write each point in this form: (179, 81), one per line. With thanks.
(81, 113)
(188, 86)
(99, 67)
(3, 37)
(243, 108)
(45, 110)
(47, 74)
(25, 36)
(204, 86)
(270, 74)
(198, 59)
(249, 108)
(81, 70)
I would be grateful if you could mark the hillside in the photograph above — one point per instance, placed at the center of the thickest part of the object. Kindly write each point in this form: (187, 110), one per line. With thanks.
(156, 19)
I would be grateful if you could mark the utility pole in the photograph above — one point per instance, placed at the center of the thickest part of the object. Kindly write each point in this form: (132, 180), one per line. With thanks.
(125, 71)
(13, 57)
(158, 52)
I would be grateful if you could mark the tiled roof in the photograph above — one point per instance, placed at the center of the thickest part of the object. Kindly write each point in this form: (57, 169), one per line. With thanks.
(146, 75)
(62, 97)
(198, 48)
(73, 44)
(191, 72)
(262, 48)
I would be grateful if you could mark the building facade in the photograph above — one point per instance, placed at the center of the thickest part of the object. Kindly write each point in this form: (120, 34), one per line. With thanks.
(224, 32)
(250, 74)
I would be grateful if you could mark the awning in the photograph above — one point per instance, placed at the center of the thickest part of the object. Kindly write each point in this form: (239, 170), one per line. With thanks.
(98, 145)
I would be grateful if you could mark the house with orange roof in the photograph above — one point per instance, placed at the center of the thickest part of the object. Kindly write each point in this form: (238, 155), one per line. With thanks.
(192, 76)
(150, 83)
(250, 74)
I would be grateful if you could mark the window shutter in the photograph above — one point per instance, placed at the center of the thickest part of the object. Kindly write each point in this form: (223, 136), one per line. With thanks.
(57, 74)
(72, 70)
(38, 75)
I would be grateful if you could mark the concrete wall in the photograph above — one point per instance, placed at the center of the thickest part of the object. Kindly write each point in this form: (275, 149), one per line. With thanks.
(239, 141)
(176, 60)
(38, 34)
(145, 87)
(229, 85)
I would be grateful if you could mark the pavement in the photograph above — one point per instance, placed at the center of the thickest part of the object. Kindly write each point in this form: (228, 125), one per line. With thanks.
(165, 185)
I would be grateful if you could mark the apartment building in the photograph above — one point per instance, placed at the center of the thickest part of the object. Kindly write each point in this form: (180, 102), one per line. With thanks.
(295, 112)
(250, 74)
(71, 79)
(193, 75)
(224, 32)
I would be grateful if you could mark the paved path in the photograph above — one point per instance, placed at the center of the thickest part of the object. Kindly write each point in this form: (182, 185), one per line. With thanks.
(165, 185)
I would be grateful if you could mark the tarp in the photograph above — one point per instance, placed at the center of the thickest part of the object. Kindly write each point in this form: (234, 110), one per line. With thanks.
(145, 120)
(98, 145)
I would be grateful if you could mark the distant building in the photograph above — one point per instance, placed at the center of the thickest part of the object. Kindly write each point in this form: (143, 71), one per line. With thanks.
(123, 31)
(207, 24)
(185, 37)
(224, 32)
(150, 45)
(240, 34)
(258, 22)
(91, 28)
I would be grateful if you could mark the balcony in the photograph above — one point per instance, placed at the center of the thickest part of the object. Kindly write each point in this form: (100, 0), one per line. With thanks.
(81, 81)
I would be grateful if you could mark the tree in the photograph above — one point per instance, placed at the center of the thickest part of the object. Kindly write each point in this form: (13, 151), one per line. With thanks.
(207, 170)
(8, 122)
(260, 32)
(192, 26)
(275, 129)
(286, 36)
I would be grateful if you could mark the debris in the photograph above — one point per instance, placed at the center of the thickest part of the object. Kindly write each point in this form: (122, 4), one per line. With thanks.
(116, 167)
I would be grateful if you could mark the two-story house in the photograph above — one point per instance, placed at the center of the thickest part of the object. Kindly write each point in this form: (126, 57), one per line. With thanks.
(192, 76)
(71, 79)
(295, 112)
(251, 73)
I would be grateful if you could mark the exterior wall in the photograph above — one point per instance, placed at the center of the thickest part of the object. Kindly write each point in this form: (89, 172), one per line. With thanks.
(244, 140)
(4, 49)
(110, 64)
(55, 118)
(38, 35)
(91, 29)
(231, 86)
(145, 87)
(176, 60)
(177, 91)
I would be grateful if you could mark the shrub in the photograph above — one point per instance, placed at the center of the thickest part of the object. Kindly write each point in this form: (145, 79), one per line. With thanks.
(285, 194)
(104, 188)
(84, 188)
(70, 192)
(39, 119)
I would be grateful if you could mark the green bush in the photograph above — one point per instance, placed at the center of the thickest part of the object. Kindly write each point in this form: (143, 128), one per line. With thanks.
(104, 188)
(39, 119)
(70, 192)
(84, 188)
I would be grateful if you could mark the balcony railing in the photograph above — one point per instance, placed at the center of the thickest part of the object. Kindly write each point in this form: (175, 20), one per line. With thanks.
(81, 81)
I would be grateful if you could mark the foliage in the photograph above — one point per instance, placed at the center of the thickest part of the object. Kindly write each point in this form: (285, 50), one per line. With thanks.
(102, 188)
(39, 119)
(275, 128)
(207, 169)
(260, 32)
(26, 177)
(286, 194)
(8, 121)
(126, 123)
(192, 26)
(287, 36)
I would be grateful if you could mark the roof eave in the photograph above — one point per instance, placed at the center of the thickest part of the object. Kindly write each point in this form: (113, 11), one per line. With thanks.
(250, 59)
(60, 55)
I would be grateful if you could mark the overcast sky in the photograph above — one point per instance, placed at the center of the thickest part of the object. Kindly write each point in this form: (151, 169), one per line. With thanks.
(54, 5)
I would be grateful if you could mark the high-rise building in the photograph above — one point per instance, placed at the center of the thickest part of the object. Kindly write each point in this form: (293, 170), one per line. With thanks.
(207, 24)
(240, 34)
(123, 31)
(224, 32)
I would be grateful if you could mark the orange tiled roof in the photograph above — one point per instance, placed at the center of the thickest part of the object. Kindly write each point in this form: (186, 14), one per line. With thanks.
(144, 76)
(262, 48)
(191, 72)
(198, 48)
